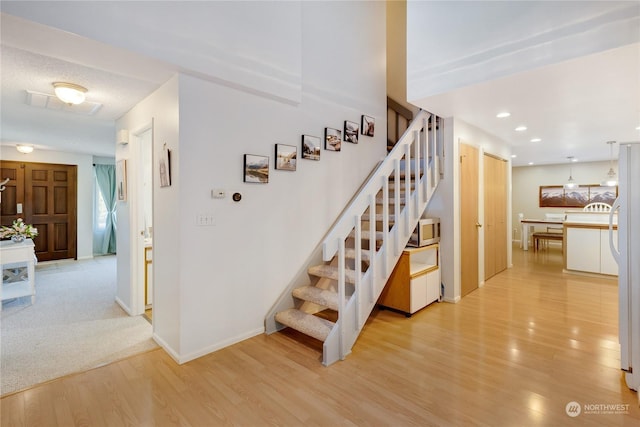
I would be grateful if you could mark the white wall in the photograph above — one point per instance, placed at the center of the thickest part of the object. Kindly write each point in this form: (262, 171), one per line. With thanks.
(528, 179)
(446, 203)
(85, 188)
(161, 109)
(214, 285)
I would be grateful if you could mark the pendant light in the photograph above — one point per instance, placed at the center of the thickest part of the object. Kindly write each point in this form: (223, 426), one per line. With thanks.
(610, 180)
(570, 184)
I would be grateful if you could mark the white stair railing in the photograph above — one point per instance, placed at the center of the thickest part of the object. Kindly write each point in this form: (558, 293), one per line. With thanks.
(411, 172)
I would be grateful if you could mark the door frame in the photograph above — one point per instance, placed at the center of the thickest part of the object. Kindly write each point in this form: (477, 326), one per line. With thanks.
(136, 236)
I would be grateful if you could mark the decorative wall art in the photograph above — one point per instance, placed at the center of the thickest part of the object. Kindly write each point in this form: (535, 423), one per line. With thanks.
(286, 157)
(121, 179)
(368, 125)
(556, 196)
(351, 131)
(256, 168)
(310, 147)
(164, 167)
(332, 139)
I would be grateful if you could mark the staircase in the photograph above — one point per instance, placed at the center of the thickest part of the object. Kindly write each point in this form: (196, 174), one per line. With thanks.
(363, 246)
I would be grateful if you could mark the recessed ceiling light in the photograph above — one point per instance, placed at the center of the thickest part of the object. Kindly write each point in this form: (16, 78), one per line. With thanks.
(521, 128)
(638, 128)
(24, 149)
(503, 115)
(530, 163)
(536, 139)
(573, 159)
(513, 156)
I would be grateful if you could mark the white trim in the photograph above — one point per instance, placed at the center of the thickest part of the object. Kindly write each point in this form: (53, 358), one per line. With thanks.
(219, 346)
(123, 306)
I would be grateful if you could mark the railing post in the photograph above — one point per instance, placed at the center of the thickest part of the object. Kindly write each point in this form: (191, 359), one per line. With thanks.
(416, 170)
(358, 270)
(341, 298)
(396, 203)
(407, 185)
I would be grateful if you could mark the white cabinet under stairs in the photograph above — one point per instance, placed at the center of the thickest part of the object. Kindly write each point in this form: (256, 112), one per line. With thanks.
(362, 248)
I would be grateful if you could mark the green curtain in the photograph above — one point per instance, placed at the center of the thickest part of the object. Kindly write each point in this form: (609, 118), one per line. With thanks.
(106, 179)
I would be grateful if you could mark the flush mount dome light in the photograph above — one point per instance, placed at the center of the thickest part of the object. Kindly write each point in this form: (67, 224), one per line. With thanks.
(69, 93)
(24, 149)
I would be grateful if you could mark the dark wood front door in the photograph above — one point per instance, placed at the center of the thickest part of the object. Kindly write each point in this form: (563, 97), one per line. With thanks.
(47, 195)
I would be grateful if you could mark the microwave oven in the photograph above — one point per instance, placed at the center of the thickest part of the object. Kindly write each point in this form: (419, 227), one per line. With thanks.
(427, 232)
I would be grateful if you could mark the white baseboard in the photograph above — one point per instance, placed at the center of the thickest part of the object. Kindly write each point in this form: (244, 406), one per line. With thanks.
(180, 359)
(452, 300)
(124, 306)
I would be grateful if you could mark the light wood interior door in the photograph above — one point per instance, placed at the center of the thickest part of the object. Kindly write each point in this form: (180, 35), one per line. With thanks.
(495, 216)
(469, 218)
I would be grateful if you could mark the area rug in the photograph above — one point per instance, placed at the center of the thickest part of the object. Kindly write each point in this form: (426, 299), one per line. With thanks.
(74, 325)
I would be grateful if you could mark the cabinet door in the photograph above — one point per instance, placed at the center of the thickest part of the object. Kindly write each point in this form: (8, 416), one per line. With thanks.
(608, 264)
(418, 293)
(583, 249)
(433, 286)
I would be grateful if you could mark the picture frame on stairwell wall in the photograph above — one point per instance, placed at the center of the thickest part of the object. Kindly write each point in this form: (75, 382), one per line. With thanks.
(256, 169)
(311, 147)
(332, 139)
(367, 125)
(351, 131)
(286, 157)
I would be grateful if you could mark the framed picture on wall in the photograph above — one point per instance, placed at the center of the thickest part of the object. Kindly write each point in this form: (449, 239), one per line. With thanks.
(310, 147)
(351, 131)
(286, 157)
(121, 179)
(556, 196)
(164, 167)
(368, 125)
(332, 139)
(256, 168)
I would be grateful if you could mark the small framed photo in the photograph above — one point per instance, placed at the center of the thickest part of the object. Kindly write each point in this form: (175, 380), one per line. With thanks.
(286, 157)
(256, 168)
(310, 147)
(164, 167)
(121, 179)
(368, 125)
(351, 131)
(332, 139)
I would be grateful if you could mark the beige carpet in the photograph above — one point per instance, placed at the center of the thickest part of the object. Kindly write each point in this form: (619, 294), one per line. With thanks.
(73, 326)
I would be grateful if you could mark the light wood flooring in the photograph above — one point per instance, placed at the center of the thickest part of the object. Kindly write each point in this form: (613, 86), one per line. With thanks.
(513, 353)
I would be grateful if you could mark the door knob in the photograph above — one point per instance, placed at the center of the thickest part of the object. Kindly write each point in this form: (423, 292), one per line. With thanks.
(478, 225)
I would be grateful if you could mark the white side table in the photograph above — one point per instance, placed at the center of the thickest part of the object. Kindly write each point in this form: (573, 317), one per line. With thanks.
(18, 255)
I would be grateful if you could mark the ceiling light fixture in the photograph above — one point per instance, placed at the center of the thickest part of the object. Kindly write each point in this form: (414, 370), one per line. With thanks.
(503, 115)
(69, 93)
(24, 149)
(610, 180)
(536, 139)
(521, 128)
(570, 184)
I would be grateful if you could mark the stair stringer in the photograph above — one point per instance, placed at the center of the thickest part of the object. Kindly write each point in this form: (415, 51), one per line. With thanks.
(423, 178)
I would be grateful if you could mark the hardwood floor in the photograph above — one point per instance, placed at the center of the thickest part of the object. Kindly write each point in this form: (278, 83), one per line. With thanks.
(512, 353)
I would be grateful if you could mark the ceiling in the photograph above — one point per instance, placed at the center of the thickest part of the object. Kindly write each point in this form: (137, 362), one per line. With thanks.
(573, 106)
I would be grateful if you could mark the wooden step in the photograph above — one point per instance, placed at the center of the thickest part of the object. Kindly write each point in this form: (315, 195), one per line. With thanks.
(331, 272)
(351, 254)
(365, 235)
(308, 324)
(379, 217)
(323, 297)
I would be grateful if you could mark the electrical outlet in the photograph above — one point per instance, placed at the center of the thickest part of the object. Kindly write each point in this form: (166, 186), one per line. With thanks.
(205, 220)
(217, 193)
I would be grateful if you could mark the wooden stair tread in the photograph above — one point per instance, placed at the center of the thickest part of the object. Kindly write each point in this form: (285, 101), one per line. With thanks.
(331, 272)
(323, 297)
(308, 324)
(379, 217)
(365, 235)
(351, 254)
